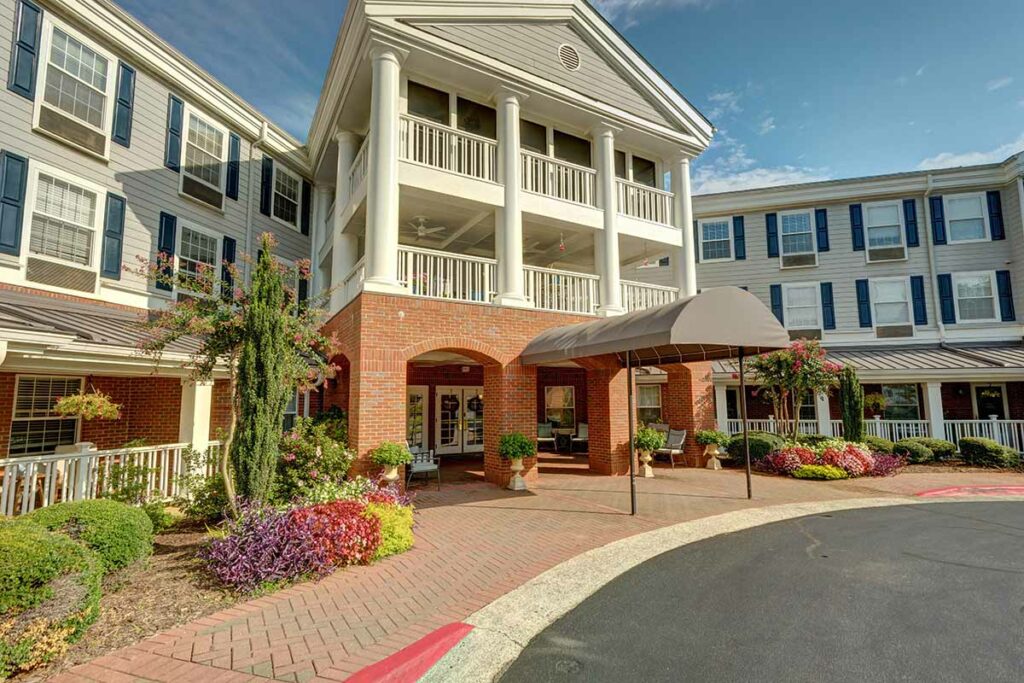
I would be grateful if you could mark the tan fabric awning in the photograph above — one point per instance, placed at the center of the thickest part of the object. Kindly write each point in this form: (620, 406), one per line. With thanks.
(709, 326)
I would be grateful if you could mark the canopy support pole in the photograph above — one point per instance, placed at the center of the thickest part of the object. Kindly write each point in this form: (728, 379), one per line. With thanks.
(632, 435)
(743, 420)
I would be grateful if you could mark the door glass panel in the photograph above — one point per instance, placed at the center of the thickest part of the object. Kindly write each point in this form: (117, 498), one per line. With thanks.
(414, 414)
(449, 409)
(474, 418)
(990, 402)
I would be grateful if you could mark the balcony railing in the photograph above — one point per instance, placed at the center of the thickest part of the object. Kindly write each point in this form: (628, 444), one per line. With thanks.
(359, 168)
(353, 282)
(559, 179)
(893, 430)
(644, 202)
(441, 275)
(430, 144)
(558, 290)
(637, 295)
(1007, 432)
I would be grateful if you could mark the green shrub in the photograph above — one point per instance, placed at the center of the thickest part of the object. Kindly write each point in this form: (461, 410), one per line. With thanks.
(161, 518)
(706, 437)
(648, 440)
(913, 451)
(336, 422)
(395, 528)
(877, 444)
(49, 594)
(987, 453)
(120, 534)
(514, 446)
(813, 440)
(202, 498)
(819, 472)
(762, 444)
(943, 450)
(308, 456)
(390, 454)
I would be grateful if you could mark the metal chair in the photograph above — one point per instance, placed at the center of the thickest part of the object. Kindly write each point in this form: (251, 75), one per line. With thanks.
(673, 445)
(424, 462)
(582, 437)
(545, 435)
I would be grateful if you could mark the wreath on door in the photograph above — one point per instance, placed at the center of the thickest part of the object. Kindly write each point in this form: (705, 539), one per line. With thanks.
(449, 404)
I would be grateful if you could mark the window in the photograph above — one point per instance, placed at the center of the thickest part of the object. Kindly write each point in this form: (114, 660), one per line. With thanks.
(802, 309)
(891, 302)
(477, 119)
(63, 221)
(648, 404)
(884, 232)
(428, 103)
(572, 149)
(808, 408)
(291, 412)
(76, 79)
(35, 428)
(715, 240)
(204, 151)
(644, 172)
(975, 296)
(533, 137)
(797, 233)
(620, 164)
(901, 402)
(197, 261)
(287, 191)
(967, 216)
(560, 406)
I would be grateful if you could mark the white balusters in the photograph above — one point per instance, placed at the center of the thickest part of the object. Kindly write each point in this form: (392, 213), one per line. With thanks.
(446, 148)
(645, 202)
(559, 290)
(559, 179)
(441, 275)
(638, 295)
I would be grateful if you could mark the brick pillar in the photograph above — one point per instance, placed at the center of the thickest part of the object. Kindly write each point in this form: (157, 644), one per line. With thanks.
(376, 405)
(608, 415)
(510, 405)
(688, 402)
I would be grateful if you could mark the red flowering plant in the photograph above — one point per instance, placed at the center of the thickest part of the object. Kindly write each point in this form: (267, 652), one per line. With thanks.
(341, 531)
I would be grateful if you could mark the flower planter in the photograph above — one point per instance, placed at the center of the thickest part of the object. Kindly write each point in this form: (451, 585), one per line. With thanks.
(712, 452)
(517, 483)
(391, 473)
(645, 460)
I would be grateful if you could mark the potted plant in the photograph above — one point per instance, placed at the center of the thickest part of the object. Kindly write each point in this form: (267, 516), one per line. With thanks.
(875, 403)
(711, 439)
(391, 456)
(514, 447)
(646, 441)
(94, 405)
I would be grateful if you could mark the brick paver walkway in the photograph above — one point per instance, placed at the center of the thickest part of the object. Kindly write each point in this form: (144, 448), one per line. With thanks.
(474, 542)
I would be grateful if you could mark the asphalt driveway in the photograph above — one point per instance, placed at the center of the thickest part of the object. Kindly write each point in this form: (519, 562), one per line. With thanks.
(918, 593)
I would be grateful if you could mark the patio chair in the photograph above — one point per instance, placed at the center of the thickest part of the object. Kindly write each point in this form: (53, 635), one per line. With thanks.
(673, 445)
(659, 427)
(545, 437)
(582, 437)
(424, 462)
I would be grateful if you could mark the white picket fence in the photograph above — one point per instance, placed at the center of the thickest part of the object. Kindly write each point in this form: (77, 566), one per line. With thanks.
(893, 430)
(1007, 432)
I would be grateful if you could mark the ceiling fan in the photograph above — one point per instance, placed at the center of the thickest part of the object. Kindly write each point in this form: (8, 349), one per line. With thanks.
(419, 226)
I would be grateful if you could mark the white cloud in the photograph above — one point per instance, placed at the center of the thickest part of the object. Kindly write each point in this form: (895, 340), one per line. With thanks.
(627, 12)
(724, 102)
(920, 71)
(727, 166)
(998, 83)
(954, 159)
(767, 125)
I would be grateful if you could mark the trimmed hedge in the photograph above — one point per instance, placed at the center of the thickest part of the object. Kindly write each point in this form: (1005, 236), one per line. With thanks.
(120, 534)
(987, 453)
(762, 444)
(913, 451)
(395, 528)
(878, 445)
(943, 450)
(49, 594)
(819, 472)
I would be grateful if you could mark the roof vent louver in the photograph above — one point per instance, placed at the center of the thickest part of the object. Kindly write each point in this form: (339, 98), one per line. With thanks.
(569, 57)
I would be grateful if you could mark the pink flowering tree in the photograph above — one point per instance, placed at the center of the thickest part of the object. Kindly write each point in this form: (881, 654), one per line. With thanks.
(788, 376)
(260, 336)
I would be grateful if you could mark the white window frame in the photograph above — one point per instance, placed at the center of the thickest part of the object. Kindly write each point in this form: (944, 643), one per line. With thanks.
(572, 390)
(280, 168)
(816, 286)
(991, 275)
(660, 405)
(731, 239)
(917, 397)
(874, 301)
(782, 242)
(218, 256)
(43, 59)
(292, 408)
(187, 112)
(14, 397)
(867, 230)
(983, 199)
(974, 398)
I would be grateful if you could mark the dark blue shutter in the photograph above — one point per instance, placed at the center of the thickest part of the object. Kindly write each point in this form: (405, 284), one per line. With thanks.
(771, 229)
(307, 197)
(227, 279)
(776, 299)
(124, 105)
(739, 238)
(938, 220)
(266, 185)
(25, 54)
(910, 222)
(165, 246)
(857, 227)
(1005, 296)
(175, 125)
(234, 161)
(864, 303)
(113, 237)
(946, 303)
(696, 243)
(995, 216)
(917, 297)
(828, 307)
(13, 178)
(821, 224)
(303, 294)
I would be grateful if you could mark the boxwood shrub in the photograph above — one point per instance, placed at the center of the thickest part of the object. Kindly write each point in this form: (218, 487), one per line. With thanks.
(49, 594)
(762, 444)
(913, 451)
(943, 450)
(819, 472)
(120, 534)
(877, 444)
(987, 453)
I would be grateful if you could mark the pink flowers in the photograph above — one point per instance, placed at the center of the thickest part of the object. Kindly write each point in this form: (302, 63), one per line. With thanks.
(849, 457)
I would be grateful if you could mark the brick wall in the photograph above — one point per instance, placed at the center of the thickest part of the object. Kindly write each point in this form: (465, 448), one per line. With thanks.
(1015, 399)
(956, 401)
(688, 402)
(562, 377)
(220, 409)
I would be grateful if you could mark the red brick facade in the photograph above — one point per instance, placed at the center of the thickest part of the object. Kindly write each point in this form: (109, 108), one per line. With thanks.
(688, 402)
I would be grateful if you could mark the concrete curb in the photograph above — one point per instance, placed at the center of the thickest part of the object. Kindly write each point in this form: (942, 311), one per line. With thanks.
(503, 628)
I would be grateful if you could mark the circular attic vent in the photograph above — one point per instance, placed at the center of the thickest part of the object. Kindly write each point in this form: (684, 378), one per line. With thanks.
(569, 57)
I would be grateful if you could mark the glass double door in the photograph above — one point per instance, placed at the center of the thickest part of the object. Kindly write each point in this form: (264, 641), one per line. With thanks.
(460, 420)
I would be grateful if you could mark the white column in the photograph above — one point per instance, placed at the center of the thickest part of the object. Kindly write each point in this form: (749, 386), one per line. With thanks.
(344, 247)
(822, 408)
(933, 409)
(684, 259)
(382, 178)
(722, 407)
(194, 420)
(607, 249)
(509, 238)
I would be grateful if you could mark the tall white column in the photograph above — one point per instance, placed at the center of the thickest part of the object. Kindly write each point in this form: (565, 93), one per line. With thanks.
(382, 180)
(607, 252)
(823, 409)
(345, 247)
(933, 409)
(722, 407)
(194, 419)
(509, 240)
(684, 260)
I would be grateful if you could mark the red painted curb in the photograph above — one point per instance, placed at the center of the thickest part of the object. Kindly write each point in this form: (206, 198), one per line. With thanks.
(408, 664)
(951, 491)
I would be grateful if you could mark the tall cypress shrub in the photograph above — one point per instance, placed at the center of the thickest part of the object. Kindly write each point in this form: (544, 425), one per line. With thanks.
(851, 402)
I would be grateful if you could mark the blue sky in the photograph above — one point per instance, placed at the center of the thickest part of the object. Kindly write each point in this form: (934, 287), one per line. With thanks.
(799, 89)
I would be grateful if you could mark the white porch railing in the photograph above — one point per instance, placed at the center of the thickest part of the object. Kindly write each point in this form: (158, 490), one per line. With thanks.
(1007, 432)
(559, 179)
(441, 275)
(638, 295)
(353, 282)
(31, 482)
(645, 202)
(773, 426)
(446, 148)
(360, 166)
(559, 290)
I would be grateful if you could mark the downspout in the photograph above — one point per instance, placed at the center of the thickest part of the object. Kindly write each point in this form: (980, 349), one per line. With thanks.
(933, 276)
(260, 141)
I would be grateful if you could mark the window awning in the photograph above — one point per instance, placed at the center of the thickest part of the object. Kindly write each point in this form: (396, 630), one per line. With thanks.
(712, 325)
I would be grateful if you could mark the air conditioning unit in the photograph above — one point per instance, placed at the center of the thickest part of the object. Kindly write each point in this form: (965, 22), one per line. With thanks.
(886, 254)
(60, 275)
(202, 192)
(804, 334)
(894, 331)
(798, 260)
(67, 128)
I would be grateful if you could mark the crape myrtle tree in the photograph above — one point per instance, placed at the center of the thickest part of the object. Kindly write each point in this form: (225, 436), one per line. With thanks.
(260, 335)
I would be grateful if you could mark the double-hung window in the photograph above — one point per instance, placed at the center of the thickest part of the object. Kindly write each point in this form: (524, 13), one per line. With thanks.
(967, 215)
(64, 221)
(797, 239)
(890, 299)
(203, 159)
(802, 306)
(884, 227)
(560, 406)
(901, 402)
(287, 195)
(198, 257)
(648, 404)
(715, 240)
(36, 429)
(975, 295)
